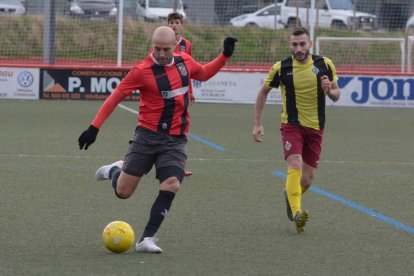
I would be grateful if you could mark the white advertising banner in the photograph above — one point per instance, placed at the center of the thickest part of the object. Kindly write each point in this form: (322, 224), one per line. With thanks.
(381, 91)
(19, 83)
(233, 87)
(356, 90)
(242, 87)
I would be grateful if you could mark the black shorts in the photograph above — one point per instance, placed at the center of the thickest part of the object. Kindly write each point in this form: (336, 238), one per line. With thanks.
(149, 148)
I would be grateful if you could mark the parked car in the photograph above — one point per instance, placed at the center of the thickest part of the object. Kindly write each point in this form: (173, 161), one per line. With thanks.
(268, 17)
(409, 26)
(158, 10)
(339, 14)
(11, 7)
(226, 10)
(92, 9)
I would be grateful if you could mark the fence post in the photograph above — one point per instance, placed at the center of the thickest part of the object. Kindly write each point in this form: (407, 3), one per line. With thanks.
(120, 31)
(410, 43)
(49, 32)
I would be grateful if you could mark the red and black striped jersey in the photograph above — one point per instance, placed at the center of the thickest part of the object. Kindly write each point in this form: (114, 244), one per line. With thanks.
(164, 96)
(183, 46)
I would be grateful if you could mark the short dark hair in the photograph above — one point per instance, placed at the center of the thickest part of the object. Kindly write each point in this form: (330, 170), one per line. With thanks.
(300, 31)
(174, 16)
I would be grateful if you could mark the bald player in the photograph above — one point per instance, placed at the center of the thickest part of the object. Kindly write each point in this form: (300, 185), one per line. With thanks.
(160, 138)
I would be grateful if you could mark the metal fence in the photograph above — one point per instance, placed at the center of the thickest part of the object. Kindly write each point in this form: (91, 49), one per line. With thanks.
(57, 32)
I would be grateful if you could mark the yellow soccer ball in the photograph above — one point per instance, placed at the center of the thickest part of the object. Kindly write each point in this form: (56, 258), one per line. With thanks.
(118, 236)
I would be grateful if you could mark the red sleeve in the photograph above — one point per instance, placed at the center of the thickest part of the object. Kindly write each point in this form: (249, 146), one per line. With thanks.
(207, 71)
(107, 108)
(130, 83)
(189, 48)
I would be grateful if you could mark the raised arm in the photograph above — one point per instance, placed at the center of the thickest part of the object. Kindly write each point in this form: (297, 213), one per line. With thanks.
(205, 72)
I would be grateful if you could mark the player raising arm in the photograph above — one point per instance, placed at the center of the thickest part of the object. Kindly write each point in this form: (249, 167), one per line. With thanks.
(160, 138)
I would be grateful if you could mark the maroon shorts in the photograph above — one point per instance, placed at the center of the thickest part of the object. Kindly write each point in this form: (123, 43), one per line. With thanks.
(304, 141)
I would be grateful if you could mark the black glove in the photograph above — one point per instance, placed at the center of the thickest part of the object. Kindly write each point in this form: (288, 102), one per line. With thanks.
(88, 137)
(228, 46)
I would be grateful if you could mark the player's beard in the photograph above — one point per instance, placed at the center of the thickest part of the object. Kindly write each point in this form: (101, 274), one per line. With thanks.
(164, 61)
(301, 56)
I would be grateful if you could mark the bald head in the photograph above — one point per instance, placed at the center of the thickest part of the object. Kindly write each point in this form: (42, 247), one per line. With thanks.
(163, 43)
(163, 34)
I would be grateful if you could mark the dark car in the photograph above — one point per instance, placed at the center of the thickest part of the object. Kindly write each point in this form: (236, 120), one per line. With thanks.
(92, 9)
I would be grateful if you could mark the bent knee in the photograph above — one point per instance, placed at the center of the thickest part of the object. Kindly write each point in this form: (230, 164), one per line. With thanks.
(170, 178)
(294, 161)
(122, 194)
(306, 181)
(171, 184)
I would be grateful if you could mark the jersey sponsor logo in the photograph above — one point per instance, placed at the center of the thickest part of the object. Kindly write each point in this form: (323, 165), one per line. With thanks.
(175, 92)
(182, 69)
(160, 75)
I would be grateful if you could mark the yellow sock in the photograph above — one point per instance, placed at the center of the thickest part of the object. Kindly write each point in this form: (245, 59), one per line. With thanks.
(294, 190)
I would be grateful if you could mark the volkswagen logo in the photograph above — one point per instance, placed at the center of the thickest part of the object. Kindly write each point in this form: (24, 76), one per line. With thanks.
(25, 79)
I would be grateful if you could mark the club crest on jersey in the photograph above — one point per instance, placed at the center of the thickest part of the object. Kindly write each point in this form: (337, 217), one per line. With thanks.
(182, 69)
(315, 70)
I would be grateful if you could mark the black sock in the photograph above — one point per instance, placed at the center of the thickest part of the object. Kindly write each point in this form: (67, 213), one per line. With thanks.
(114, 173)
(159, 210)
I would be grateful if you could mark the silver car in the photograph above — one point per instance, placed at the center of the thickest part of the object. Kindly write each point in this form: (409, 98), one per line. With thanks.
(264, 17)
(11, 7)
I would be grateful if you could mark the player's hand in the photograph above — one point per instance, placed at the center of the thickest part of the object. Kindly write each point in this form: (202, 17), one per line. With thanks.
(325, 84)
(192, 99)
(88, 137)
(228, 46)
(258, 133)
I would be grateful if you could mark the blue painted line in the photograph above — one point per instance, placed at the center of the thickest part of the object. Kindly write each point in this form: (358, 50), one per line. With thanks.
(208, 143)
(358, 207)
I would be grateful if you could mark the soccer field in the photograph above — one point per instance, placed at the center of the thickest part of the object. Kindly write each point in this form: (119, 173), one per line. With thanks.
(229, 217)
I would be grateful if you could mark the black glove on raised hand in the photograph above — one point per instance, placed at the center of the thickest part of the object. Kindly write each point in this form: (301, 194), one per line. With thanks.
(228, 46)
(88, 137)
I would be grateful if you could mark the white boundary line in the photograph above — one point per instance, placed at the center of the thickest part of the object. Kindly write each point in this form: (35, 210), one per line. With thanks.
(209, 159)
(128, 109)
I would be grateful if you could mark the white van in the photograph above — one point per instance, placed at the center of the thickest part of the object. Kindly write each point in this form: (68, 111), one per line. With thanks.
(332, 14)
(158, 10)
